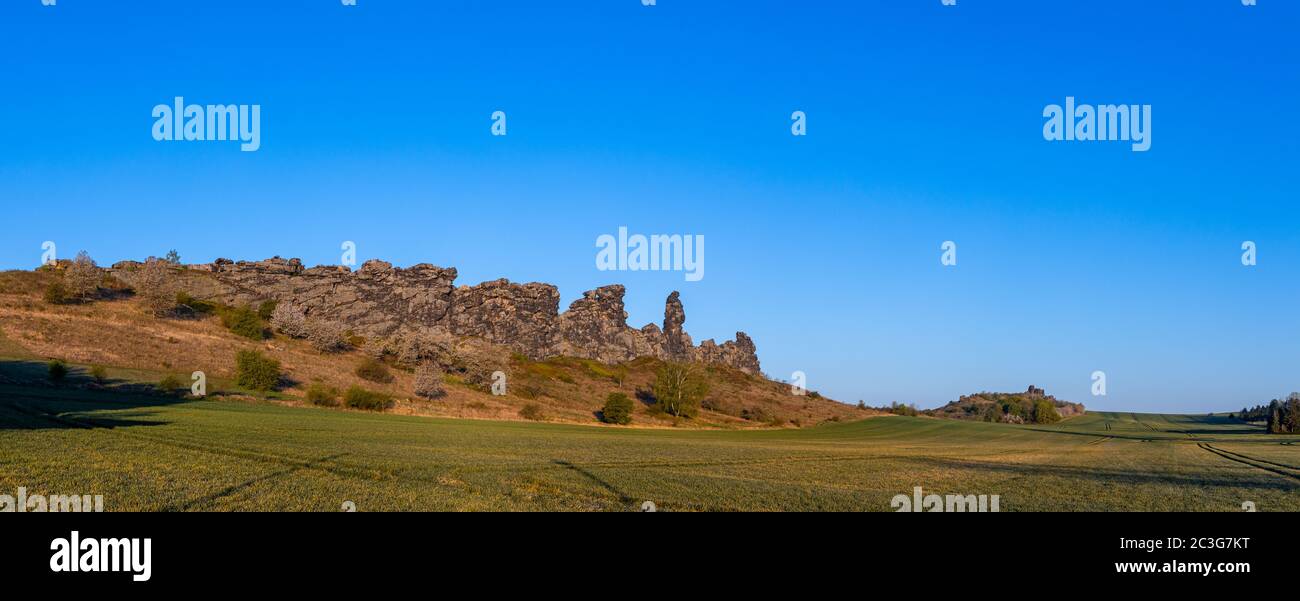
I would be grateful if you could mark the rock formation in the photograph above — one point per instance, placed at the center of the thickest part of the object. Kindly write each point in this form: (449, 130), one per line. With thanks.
(379, 300)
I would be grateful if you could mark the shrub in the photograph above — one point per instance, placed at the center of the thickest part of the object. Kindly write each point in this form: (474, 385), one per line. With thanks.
(757, 414)
(169, 384)
(322, 395)
(99, 374)
(1045, 413)
(83, 276)
(326, 336)
(898, 408)
(617, 410)
(360, 398)
(374, 371)
(428, 382)
(244, 321)
(202, 307)
(679, 388)
(57, 370)
(289, 320)
(532, 411)
(530, 390)
(172, 257)
(155, 285)
(266, 309)
(56, 293)
(255, 371)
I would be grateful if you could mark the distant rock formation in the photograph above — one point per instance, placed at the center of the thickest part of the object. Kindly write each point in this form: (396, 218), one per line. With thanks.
(1006, 407)
(381, 300)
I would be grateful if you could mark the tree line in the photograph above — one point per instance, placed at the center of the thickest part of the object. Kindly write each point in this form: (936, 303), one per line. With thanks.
(1281, 416)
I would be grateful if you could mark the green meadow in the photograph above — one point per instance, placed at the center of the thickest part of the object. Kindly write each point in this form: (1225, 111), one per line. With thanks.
(147, 453)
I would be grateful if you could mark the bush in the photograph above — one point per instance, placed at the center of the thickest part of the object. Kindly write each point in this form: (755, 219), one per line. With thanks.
(170, 384)
(428, 382)
(245, 322)
(289, 320)
(56, 293)
(326, 336)
(1045, 413)
(532, 411)
(83, 276)
(898, 408)
(761, 415)
(266, 309)
(198, 307)
(618, 409)
(99, 374)
(255, 371)
(374, 371)
(679, 388)
(360, 398)
(57, 370)
(322, 395)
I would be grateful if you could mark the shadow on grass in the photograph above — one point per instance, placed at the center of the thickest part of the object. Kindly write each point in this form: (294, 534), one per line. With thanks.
(622, 496)
(30, 401)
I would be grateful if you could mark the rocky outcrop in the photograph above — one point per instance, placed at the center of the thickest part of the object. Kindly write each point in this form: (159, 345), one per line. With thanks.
(379, 300)
(677, 343)
(519, 316)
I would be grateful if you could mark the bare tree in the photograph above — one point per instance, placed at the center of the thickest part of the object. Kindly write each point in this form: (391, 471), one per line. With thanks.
(428, 381)
(83, 276)
(155, 284)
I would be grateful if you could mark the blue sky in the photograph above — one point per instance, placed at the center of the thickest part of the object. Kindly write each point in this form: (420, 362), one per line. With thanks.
(924, 125)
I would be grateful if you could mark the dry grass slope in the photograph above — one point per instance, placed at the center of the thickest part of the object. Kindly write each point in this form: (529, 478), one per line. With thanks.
(137, 348)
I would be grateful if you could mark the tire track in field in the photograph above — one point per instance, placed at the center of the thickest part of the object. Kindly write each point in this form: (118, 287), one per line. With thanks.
(1258, 460)
(234, 488)
(1267, 466)
(1102, 440)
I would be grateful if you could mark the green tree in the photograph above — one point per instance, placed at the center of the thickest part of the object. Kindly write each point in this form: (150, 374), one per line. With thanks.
(679, 388)
(617, 410)
(1045, 413)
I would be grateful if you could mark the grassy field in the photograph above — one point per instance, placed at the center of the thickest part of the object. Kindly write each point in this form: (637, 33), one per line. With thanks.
(149, 453)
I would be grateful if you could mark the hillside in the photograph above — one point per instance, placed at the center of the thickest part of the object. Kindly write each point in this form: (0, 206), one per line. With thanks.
(137, 350)
(1015, 408)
